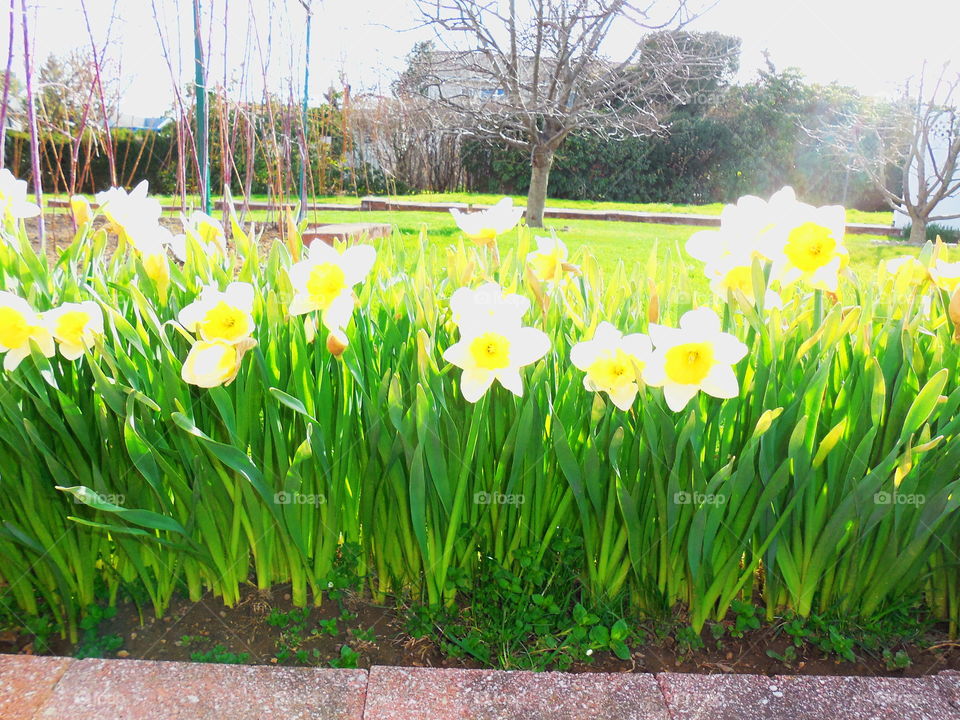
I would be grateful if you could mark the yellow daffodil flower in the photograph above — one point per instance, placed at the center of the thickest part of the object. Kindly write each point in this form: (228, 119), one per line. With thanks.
(495, 352)
(751, 228)
(153, 255)
(211, 364)
(696, 356)
(613, 363)
(76, 327)
(207, 231)
(82, 214)
(484, 226)
(19, 326)
(946, 275)
(813, 251)
(225, 316)
(908, 266)
(735, 273)
(324, 281)
(13, 198)
(486, 305)
(127, 211)
(549, 261)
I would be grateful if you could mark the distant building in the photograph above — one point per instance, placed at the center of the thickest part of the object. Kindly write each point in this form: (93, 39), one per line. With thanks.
(939, 141)
(134, 122)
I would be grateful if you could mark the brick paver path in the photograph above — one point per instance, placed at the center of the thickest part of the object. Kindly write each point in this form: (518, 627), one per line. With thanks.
(44, 688)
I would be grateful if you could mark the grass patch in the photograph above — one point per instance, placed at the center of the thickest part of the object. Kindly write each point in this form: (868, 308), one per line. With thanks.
(853, 216)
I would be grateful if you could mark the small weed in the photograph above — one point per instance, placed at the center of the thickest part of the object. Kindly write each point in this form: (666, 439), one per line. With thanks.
(529, 616)
(366, 635)
(329, 627)
(219, 654)
(92, 644)
(348, 658)
(788, 657)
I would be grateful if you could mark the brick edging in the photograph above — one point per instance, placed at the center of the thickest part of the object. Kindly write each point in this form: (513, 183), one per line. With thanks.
(49, 688)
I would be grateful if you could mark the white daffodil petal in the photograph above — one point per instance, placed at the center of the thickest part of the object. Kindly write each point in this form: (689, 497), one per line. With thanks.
(240, 295)
(677, 396)
(638, 345)
(654, 372)
(511, 380)
(727, 349)
(301, 304)
(705, 245)
(357, 261)
(624, 396)
(337, 314)
(473, 384)
(527, 346)
(582, 355)
(458, 354)
(661, 335)
(13, 358)
(721, 382)
(701, 322)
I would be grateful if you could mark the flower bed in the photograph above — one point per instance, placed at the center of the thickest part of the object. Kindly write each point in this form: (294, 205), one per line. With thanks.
(180, 414)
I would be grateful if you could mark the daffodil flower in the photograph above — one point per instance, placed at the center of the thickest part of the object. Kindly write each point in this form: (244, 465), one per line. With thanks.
(126, 211)
(225, 316)
(153, 256)
(19, 327)
(613, 363)
(13, 198)
(484, 226)
(208, 232)
(76, 327)
(751, 227)
(486, 305)
(945, 275)
(735, 273)
(696, 356)
(549, 261)
(908, 266)
(495, 351)
(148, 236)
(814, 250)
(214, 363)
(324, 281)
(209, 229)
(82, 214)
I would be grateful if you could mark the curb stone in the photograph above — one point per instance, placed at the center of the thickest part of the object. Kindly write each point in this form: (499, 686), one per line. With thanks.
(51, 688)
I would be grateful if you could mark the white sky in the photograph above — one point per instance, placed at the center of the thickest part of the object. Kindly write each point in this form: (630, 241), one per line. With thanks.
(855, 42)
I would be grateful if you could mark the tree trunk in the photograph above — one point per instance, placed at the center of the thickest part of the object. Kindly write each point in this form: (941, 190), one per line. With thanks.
(541, 161)
(918, 231)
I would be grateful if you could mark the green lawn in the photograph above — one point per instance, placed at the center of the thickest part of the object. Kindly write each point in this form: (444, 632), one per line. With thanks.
(855, 216)
(611, 242)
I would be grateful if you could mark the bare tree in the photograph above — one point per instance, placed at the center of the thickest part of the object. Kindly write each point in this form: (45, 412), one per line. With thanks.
(408, 143)
(529, 73)
(917, 136)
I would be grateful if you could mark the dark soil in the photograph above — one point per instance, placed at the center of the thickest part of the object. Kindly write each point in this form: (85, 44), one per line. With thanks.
(379, 635)
(60, 232)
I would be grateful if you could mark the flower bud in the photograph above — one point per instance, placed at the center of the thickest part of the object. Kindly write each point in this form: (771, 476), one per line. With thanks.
(954, 311)
(337, 342)
(80, 209)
